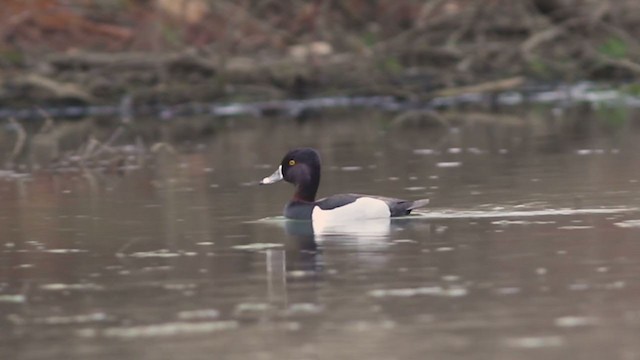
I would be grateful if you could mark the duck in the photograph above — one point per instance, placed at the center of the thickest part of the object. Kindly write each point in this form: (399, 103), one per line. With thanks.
(301, 167)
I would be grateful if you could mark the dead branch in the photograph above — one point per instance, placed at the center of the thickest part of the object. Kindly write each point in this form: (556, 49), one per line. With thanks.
(486, 87)
(625, 63)
(107, 145)
(91, 146)
(538, 39)
(58, 89)
(21, 139)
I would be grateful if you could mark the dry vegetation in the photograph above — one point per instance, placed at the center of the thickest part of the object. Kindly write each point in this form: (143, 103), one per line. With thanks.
(173, 51)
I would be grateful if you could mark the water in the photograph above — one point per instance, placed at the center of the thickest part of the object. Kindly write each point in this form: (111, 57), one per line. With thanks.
(528, 249)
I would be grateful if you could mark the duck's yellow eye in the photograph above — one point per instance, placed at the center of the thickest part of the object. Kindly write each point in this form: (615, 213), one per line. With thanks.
(292, 162)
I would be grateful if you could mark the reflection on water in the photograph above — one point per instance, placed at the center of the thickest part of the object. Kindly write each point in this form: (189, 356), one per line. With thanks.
(368, 229)
(365, 229)
(529, 248)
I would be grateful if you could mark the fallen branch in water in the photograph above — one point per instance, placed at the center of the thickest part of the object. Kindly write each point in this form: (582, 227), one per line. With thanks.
(90, 150)
(48, 121)
(21, 139)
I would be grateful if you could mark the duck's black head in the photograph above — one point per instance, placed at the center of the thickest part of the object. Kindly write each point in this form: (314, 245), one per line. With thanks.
(300, 167)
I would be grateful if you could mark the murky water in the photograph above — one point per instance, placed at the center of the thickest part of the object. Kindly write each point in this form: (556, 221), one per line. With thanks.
(529, 249)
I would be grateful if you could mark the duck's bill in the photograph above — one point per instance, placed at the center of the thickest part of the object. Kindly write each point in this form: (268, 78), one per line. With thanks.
(273, 178)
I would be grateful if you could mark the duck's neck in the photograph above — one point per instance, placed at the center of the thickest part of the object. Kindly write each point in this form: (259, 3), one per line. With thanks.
(306, 190)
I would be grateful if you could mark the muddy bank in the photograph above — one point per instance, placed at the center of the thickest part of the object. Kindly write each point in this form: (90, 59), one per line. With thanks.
(150, 52)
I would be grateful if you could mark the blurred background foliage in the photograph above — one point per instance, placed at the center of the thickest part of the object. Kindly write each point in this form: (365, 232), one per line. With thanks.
(94, 51)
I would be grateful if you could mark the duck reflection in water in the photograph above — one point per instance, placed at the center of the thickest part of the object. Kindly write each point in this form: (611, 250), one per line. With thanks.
(306, 240)
(312, 252)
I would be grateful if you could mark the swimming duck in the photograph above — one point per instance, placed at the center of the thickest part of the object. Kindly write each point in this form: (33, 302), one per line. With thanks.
(301, 167)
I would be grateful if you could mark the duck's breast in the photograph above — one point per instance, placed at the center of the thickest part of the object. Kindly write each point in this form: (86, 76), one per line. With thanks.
(361, 208)
(298, 210)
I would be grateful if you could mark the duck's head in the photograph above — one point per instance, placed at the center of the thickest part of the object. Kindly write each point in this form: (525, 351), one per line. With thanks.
(300, 167)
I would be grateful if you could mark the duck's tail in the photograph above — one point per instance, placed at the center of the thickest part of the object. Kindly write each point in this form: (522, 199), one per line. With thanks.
(403, 207)
(418, 204)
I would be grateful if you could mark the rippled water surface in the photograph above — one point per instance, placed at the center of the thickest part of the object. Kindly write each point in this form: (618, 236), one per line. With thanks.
(530, 247)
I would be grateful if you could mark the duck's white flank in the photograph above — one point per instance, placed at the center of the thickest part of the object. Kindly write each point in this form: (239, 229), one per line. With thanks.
(362, 209)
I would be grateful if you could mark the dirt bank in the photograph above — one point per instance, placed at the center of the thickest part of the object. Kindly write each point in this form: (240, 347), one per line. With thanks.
(79, 52)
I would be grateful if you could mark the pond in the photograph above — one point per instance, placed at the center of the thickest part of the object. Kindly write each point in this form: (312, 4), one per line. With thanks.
(529, 247)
